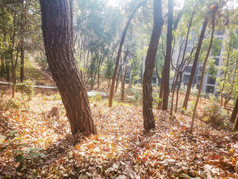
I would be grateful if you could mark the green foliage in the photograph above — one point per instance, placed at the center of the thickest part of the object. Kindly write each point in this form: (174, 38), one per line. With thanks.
(212, 68)
(19, 151)
(57, 97)
(96, 98)
(190, 108)
(27, 87)
(217, 116)
(156, 97)
(137, 94)
(42, 62)
(213, 97)
(27, 90)
(109, 70)
(10, 104)
(216, 47)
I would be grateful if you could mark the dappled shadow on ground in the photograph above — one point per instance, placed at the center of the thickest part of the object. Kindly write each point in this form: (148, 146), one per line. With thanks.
(122, 149)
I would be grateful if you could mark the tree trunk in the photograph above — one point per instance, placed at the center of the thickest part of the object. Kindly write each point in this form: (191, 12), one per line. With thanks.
(22, 73)
(131, 78)
(2, 64)
(185, 104)
(57, 30)
(118, 77)
(168, 55)
(177, 96)
(227, 64)
(3, 50)
(205, 62)
(22, 46)
(14, 78)
(236, 125)
(148, 117)
(123, 85)
(227, 99)
(119, 53)
(7, 69)
(161, 91)
(98, 76)
(234, 112)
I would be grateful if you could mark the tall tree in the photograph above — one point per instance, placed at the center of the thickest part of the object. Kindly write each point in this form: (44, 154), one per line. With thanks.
(200, 41)
(213, 8)
(22, 43)
(148, 117)
(57, 21)
(119, 52)
(168, 56)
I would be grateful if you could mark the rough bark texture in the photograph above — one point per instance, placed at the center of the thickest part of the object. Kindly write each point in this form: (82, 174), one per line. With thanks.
(148, 116)
(168, 55)
(58, 41)
(119, 53)
(204, 27)
(234, 112)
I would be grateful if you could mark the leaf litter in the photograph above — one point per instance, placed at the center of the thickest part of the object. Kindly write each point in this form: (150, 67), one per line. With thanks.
(121, 149)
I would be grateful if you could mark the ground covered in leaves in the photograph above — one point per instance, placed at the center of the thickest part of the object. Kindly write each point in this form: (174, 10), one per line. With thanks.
(121, 149)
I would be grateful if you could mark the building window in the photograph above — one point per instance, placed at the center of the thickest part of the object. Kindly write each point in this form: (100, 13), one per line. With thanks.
(210, 89)
(189, 69)
(186, 78)
(199, 79)
(218, 32)
(211, 80)
(216, 61)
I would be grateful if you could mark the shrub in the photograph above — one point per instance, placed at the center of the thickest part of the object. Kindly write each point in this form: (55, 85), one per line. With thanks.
(136, 93)
(27, 87)
(17, 150)
(217, 116)
(156, 97)
(194, 90)
(9, 104)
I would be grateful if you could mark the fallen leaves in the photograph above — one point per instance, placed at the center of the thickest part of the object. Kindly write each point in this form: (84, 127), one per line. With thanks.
(121, 149)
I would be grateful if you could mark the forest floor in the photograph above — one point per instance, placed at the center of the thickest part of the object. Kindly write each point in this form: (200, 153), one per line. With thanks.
(120, 150)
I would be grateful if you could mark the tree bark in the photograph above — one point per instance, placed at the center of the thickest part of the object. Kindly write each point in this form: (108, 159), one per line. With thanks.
(119, 53)
(123, 85)
(204, 27)
(177, 95)
(22, 45)
(7, 69)
(57, 30)
(2, 64)
(168, 56)
(148, 117)
(118, 77)
(236, 125)
(234, 112)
